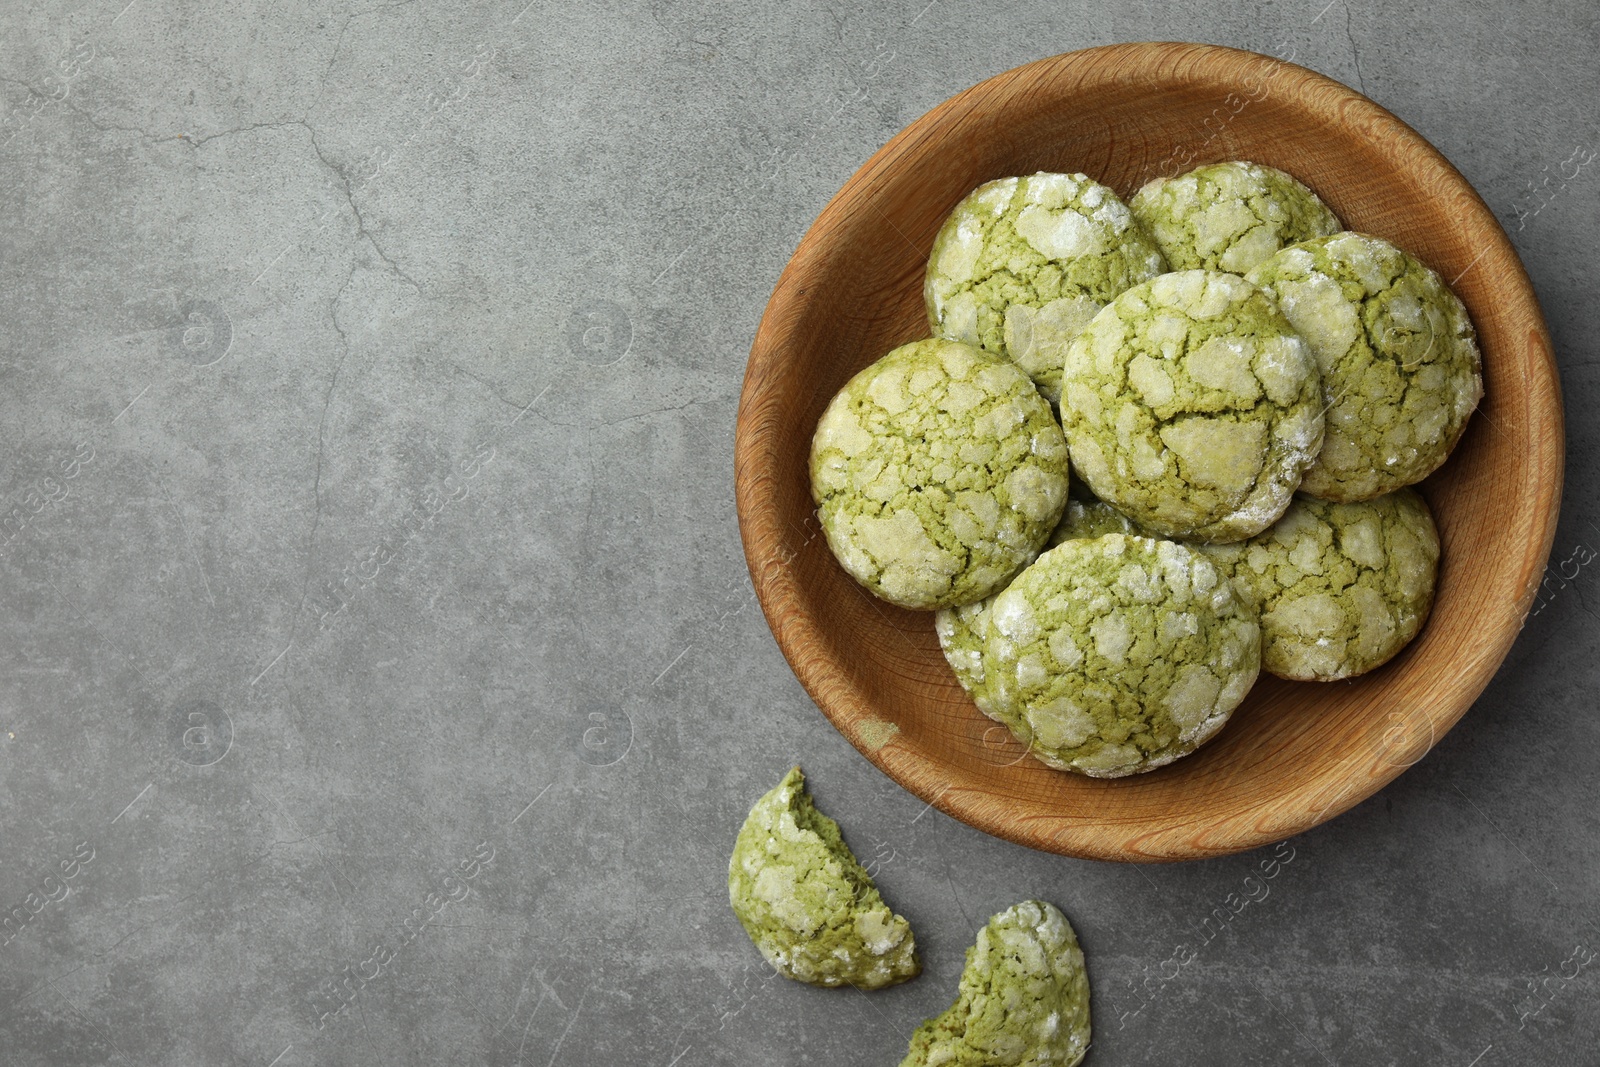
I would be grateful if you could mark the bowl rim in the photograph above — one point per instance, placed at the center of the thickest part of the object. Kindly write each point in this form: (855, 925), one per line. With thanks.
(758, 468)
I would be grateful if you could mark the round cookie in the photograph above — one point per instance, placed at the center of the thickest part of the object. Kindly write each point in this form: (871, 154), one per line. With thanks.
(938, 472)
(1341, 588)
(1023, 997)
(1192, 406)
(960, 629)
(1090, 518)
(1401, 373)
(1022, 265)
(1119, 654)
(806, 902)
(960, 633)
(1229, 216)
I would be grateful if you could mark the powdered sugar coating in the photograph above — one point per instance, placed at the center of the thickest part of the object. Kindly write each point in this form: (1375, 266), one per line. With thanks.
(1023, 1000)
(1191, 405)
(1118, 654)
(1023, 264)
(938, 472)
(1401, 371)
(1229, 216)
(1341, 587)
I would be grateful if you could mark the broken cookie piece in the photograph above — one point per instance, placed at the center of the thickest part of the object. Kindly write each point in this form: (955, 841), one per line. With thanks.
(1024, 998)
(807, 904)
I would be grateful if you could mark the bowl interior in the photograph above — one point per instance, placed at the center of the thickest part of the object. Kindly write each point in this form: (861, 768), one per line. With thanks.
(1294, 753)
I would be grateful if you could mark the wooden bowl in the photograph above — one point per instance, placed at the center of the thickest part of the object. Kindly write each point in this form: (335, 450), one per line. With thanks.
(1294, 753)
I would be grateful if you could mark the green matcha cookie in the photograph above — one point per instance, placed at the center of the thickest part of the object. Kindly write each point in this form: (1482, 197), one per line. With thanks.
(1192, 406)
(1023, 998)
(1341, 587)
(1229, 216)
(960, 633)
(960, 629)
(1400, 366)
(938, 472)
(1090, 518)
(1118, 654)
(808, 905)
(1022, 265)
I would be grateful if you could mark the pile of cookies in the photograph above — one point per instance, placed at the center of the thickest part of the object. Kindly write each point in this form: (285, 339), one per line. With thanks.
(1241, 390)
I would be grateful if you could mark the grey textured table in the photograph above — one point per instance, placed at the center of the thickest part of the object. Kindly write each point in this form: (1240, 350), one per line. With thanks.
(380, 679)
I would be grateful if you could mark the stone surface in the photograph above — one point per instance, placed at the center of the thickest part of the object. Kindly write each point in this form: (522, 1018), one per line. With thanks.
(331, 604)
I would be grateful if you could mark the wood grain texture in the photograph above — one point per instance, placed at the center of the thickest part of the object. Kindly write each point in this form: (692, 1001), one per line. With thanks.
(1294, 754)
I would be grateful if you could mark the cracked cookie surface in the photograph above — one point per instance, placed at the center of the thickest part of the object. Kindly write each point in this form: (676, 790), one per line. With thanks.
(1023, 999)
(938, 471)
(1090, 518)
(1401, 371)
(1191, 405)
(1022, 265)
(1229, 216)
(960, 629)
(806, 902)
(1118, 654)
(960, 633)
(1341, 588)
